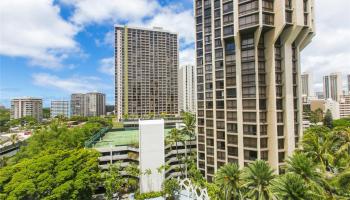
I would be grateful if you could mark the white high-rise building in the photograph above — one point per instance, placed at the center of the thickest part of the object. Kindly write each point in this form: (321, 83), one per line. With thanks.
(27, 106)
(59, 108)
(332, 86)
(306, 86)
(248, 80)
(187, 88)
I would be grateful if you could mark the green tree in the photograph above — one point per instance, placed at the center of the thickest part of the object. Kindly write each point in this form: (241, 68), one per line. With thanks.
(175, 137)
(257, 180)
(291, 186)
(300, 164)
(228, 178)
(171, 188)
(316, 116)
(46, 113)
(328, 119)
(58, 174)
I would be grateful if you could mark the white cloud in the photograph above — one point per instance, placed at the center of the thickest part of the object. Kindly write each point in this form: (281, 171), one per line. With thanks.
(107, 66)
(330, 49)
(187, 56)
(35, 30)
(71, 84)
(100, 11)
(181, 22)
(108, 39)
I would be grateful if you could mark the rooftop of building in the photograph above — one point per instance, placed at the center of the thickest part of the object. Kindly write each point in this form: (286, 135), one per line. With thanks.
(121, 137)
(157, 29)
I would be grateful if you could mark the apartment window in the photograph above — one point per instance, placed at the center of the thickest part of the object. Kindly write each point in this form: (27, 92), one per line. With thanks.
(249, 117)
(228, 7)
(232, 151)
(232, 139)
(281, 157)
(263, 130)
(248, 79)
(220, 104)
(200, 96)
(248, 55)
(209, 132)
(248, 7)
(200, 105)
(219, 94)
(209, 104)
(217, 33)
(228, 30)
(248, 20)
(262, 104)
(220, 135)
(232, 116)
(219, 114)
(279, 104)
(209, 114)
(280, 117)
(218, 43)
(227, 19)
(250, 142)
(207, 12)
(217, 13)
(209, 86)
(220, 125)
(217, 23)
(264, 155)
(267, 5)
(280, 130)
(231, 127)
(220, 145)
(280, 143)
(231, 93)
(232, 104)
(230, 48)
(249, 129)
(209, 123)
(218, 54)
(250, 155)
(263, 142)
(219, 84)
(249, 92)
(221, 155)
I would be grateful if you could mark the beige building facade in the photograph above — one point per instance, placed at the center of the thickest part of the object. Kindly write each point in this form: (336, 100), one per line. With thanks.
(248, 79)
(146, 67)
(344, 106)
(27, 106)
(187, 88)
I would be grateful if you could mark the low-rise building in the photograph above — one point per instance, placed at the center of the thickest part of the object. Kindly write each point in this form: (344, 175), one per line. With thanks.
(344, 106)
(325, 105)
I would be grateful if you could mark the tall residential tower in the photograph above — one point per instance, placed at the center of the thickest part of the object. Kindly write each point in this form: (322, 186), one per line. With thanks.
(146, 63)
(306, 86)
(333, 86)
(89, 105)
(59, 108)
(248, 79)
(187, 88)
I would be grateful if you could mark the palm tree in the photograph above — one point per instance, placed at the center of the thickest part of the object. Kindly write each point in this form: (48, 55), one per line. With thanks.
(291, 186)
(175, 137)
(257, 180)
(317, 143)
(189, 129)
(228, 178)
(300, 164)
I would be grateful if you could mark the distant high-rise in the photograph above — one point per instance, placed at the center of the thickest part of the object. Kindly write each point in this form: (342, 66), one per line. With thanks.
(248, 75)
(95, 104)
(27, 106)
(306, 85)
(187, 88)
(77, 103)
(90, 104)
(146, 63)
(332, 86)
(59, 108)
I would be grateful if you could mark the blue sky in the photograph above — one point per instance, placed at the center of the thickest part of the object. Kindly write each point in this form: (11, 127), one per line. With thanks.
(51, 48)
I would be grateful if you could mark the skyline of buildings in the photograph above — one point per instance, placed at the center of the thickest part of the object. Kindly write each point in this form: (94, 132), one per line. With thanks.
(187, 88)
(248, 74)
(146, 65)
